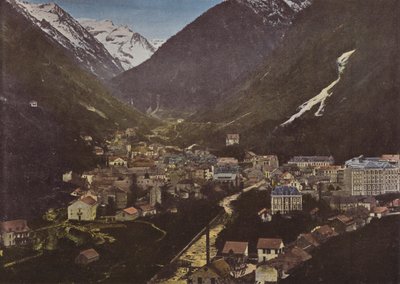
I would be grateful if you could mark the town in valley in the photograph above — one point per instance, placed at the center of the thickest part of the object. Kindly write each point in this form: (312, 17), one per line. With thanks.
(200, 142)
(294, 208)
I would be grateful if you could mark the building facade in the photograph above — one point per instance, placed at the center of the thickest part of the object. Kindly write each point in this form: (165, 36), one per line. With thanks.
(14, 233)
(371, 176)
(83, 209)
(285, 199)
(312, 161)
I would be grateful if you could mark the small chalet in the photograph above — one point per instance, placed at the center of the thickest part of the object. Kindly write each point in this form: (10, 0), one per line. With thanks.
(127, 214)
(14, 233)
(83, 209)
(240, 249)
(269, 248)
(87, 256)
(147, 210)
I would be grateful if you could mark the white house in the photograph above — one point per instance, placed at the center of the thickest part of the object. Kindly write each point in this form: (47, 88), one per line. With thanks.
(83, 209)
(269, 248)
(118, 162)
(14, 233)
(33, 104)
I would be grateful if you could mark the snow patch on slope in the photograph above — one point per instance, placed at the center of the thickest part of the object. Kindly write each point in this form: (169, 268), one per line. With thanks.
(129, 47)
(93, 109)
(324, 94)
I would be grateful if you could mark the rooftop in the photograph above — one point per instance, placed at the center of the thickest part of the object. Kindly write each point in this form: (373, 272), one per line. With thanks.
(131, 211)
(89, 253)
(368, 163)
(18, 225)
(285, 190)
(264, 243)
(235, 247)
(88, 200)
(297, 159)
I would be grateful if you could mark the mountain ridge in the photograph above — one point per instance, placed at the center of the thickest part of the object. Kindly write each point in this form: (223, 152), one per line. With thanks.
(194, 67)
(129, 47)
(75, 39)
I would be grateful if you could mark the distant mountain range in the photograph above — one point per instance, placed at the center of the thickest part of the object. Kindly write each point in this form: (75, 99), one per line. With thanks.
(129, 47)
(194, 68)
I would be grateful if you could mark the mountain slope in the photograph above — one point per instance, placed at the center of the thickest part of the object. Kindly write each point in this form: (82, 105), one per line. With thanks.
(129, 47)
(192, 68)
(332, 87)
(77, 41)
(38, 144)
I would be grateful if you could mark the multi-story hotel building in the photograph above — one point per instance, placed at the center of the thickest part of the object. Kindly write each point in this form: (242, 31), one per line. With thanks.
(371, 176)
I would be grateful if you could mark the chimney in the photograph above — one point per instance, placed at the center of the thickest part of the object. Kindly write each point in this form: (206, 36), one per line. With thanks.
(208, 244)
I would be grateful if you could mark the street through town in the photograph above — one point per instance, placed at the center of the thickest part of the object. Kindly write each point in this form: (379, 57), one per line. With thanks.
(195, 254)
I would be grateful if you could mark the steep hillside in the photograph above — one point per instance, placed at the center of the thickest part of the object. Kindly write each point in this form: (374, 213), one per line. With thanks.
(129, 47)
(38, 144)
(192, 68)
(61, 27)
(332, 87)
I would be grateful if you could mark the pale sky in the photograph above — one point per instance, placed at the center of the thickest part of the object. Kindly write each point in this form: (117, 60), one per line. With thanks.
(154, 19)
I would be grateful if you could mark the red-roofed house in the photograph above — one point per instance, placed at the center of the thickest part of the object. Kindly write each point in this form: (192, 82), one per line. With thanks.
(147, 210)
(87, 256)
(83, 209)
(14, 233)
(236, 248)
(127, 214)
(269, 248)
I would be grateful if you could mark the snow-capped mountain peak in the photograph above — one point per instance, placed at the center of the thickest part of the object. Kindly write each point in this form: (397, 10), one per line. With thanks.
(66, 31)
(129, 47)
(276, 12)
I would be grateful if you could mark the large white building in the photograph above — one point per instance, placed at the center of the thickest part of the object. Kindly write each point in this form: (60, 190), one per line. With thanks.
(371, 176)
(312, 161)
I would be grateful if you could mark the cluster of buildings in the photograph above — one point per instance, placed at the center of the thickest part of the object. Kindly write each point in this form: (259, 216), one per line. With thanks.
(273, 260)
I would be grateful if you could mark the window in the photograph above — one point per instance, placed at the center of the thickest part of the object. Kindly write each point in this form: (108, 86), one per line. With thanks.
(212, 280)
(199, 280)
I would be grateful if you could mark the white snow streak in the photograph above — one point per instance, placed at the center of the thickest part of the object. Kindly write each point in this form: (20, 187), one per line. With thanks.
(324, 94)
